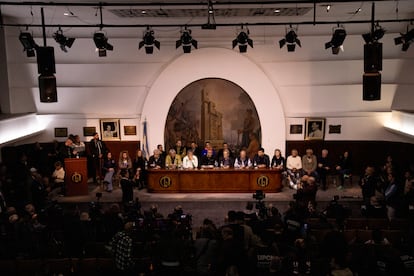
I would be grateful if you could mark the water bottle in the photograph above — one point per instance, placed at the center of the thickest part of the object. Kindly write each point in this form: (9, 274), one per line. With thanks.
(215, 164)
(146, 165)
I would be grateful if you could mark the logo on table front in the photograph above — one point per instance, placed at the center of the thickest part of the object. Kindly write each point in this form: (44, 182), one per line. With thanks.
(76, 177)
(165, 182)
(262, 181)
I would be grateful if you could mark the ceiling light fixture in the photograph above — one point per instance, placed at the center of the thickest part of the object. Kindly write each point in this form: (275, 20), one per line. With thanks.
(211, 21)
(291, 39)
(62, 40)
(149, 41)
(405, 39)
(101, 43)
(374, 36)
(29, 45)
(243, 40)
(337, 40)
(186, 40)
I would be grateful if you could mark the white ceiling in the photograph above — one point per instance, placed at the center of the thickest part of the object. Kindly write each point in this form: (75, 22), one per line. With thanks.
(188, 13)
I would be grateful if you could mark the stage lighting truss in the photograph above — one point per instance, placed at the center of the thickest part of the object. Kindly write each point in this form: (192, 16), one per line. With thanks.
(291, 40)
(29, 45)
(101, 43)
(149, 41)
(337, 40)
(405, 39)
(374, 36)
(186, 40)
(243, 40)
(62, 40)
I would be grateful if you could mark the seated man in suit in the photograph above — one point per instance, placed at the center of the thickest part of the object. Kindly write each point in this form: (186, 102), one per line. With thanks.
(208, 161)
(261, 160)
(172, 161)
(242, 162)
(226, 161)
(156, 161)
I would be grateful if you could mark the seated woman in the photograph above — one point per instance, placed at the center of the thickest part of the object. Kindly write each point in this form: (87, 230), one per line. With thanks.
(108, 169)
(190, 161)
(172, 161)
(278, 161)
(125, 163)
(140, 168)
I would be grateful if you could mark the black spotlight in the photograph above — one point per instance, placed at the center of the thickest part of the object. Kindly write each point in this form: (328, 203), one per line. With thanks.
(291, 39)
(29, 45)
(374, 36)
(243, 40)
(337, 40)
(101, 43)
(62, 40)
(405, 40)
(186, 40)
(149, 41)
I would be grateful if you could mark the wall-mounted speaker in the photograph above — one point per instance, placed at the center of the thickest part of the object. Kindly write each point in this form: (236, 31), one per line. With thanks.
(46, 60)
(371, 87)
(372, 57)
(47, 89)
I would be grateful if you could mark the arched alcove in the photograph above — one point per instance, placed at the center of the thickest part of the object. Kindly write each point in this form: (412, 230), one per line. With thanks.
(215, 63)
(214, 110)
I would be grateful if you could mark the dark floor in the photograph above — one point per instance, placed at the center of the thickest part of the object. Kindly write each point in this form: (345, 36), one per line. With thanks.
(215, 205)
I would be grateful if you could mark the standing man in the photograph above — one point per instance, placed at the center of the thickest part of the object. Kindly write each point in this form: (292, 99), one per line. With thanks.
(97, 151)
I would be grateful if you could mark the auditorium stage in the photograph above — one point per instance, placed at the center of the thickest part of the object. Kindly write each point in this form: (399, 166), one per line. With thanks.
(215, 205)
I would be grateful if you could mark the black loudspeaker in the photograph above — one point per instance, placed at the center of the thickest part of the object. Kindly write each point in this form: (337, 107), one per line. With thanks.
(372, 57)
(46, 60)
(371, 87)
(47, 88)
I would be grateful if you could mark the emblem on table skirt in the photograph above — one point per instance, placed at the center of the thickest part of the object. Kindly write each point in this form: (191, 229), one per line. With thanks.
(76, 177)
(165, 182)
(262, 181)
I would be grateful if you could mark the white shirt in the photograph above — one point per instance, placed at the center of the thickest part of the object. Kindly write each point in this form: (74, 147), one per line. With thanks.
(190, 164)
(294, 162)
(59, 175)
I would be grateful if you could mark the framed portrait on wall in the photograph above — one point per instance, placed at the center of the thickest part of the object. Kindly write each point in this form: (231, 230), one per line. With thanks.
(315, 128)
(110, 130)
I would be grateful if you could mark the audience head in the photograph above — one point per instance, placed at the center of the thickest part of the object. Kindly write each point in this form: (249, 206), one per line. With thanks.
(324, 153)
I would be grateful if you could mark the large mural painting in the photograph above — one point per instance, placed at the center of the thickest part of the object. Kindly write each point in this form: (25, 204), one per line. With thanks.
(213, 110)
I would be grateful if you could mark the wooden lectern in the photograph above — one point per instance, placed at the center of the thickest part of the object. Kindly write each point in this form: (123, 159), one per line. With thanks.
(76, 176)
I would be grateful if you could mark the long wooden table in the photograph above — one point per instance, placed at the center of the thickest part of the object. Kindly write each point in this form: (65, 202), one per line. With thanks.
(214, 180)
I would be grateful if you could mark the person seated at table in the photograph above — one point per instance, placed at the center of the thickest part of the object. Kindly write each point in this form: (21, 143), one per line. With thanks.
(208, 161)
(172, 161)
(225, 147)
(278, 161)
(156, 161)
(190, 161)
(309, 163)
(261, 160)
(226, 161)
(294, 168)
(242, 162)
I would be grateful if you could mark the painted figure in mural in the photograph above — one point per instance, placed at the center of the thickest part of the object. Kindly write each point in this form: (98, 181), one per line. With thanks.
(254, 145)
(248, 127)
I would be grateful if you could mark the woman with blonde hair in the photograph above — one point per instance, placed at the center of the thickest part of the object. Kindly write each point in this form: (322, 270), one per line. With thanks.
(125, 163)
